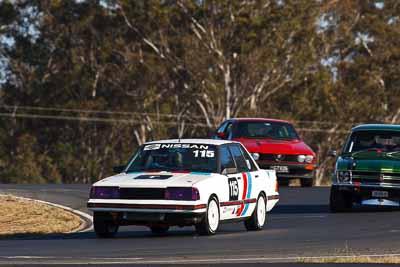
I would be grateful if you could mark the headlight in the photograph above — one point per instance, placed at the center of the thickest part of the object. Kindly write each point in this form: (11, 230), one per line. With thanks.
(301, 158)
(255, 156)
(343, 176)
(182, 193)
(104, 192)
(309, 158)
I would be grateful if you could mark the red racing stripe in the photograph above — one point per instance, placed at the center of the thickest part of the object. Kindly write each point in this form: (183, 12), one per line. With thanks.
(238, 202)
(244, 194)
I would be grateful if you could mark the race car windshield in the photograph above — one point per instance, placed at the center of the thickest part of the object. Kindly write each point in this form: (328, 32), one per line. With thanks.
(273, 130)
(388, 141)
(175, 157)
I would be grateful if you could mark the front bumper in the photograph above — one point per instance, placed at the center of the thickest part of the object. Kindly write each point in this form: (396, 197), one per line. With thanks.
(150, 218)
(362, 194)
(148, 214)
(295, 170)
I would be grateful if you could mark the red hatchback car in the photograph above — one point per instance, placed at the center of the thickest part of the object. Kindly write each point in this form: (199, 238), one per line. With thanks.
(275, 145)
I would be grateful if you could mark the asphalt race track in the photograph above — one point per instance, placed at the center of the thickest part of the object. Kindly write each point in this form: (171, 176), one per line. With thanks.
(300, 226)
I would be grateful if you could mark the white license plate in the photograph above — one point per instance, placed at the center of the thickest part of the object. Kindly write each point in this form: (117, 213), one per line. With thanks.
(281, 169)
(380, 194)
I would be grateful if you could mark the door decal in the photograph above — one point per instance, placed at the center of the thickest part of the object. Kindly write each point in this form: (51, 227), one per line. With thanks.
(247, 185)
(233, 189)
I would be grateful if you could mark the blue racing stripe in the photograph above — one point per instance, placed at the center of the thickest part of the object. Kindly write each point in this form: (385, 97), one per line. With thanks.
(249, 185)
(201, 173)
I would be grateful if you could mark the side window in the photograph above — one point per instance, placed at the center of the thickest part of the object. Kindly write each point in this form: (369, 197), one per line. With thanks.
(226, 158)
(239, 159)
(222, 128)
(228, 130)
(249, 159)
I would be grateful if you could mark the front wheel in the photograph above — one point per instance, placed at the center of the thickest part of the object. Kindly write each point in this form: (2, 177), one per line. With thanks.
(104, 228)
(307, 182)
(339, 202)
(257, 220)
(210, 222)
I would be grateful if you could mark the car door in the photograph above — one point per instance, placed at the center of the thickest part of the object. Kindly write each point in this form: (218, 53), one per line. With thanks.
(247, 172)
(229, 203)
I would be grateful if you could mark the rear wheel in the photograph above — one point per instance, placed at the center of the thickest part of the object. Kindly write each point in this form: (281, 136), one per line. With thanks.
(104, 227)
(307, 182)
(210, 222)
(339, 202)
(158, 230)
(258, 218)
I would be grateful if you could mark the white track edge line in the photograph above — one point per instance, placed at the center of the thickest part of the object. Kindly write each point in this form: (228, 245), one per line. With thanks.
(95, 260)
(81, 229)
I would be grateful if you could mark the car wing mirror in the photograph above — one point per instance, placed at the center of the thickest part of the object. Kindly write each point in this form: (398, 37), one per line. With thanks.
(227, 171)
(332, 153)
(221, 135)
(119, 169)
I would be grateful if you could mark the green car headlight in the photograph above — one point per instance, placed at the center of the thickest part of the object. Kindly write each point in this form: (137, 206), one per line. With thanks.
(343, 176)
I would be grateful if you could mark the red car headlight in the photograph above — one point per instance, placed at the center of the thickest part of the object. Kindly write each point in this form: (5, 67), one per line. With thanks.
(182, 193)
(104, 192)
(309, 158)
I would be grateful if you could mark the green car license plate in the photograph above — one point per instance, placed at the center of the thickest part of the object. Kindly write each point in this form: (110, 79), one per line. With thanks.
(380, 194)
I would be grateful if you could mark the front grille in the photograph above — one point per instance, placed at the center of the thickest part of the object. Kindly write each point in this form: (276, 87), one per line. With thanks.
(375, 177)
(142, 193)
(273, 157)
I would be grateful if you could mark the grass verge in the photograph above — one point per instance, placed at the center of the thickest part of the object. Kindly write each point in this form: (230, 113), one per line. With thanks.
(353, 259)
(19, 216)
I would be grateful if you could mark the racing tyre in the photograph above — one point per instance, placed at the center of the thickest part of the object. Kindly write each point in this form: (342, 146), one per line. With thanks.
(339, 202)
(257, 220)
(104, 228)
(158, 230)
(309, 182)
(283, 182)
(210, 222)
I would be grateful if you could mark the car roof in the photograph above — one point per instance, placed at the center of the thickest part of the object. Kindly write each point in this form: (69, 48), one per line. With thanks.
(371, 127)
(260, 119)
(192, 141)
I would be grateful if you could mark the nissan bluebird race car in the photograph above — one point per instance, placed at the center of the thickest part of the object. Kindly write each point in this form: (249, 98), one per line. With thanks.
(275, 145)
(367, 172)
(184, 182)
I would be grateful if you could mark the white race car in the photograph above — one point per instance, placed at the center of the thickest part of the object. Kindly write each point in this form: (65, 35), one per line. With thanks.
(184, 182)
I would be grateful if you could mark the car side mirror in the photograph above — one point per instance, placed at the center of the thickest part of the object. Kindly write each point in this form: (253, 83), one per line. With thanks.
(221, 135)
(119, 169)
(332, 153)
(227, 171)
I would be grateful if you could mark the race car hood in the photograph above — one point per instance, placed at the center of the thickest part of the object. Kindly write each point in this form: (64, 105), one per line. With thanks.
(154, 179)
(273, 146)
(383, 162)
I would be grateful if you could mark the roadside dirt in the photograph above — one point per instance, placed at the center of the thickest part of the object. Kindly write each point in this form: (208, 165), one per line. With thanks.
(29, 217)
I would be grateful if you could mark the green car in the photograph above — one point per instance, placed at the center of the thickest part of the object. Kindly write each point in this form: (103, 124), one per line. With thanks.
(367, 171)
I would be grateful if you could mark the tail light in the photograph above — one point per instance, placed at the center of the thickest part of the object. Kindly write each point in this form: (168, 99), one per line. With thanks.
(276, 186)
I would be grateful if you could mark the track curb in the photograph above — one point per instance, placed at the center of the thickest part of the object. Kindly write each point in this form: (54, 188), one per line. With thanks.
(86, 218)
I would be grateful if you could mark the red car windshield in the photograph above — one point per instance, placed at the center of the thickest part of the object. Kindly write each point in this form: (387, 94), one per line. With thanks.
(272, 130)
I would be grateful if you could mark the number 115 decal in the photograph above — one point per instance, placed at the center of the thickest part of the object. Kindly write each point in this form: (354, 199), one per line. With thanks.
(233, 189)
(204, 153)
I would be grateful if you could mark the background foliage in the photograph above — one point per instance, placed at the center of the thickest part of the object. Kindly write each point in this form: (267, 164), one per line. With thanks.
(83, 83)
